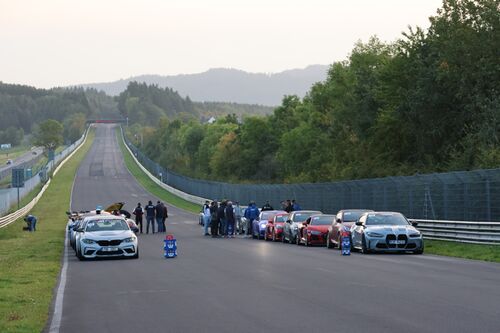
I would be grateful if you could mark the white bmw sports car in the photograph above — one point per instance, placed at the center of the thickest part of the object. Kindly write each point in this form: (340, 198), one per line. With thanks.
(106, 236)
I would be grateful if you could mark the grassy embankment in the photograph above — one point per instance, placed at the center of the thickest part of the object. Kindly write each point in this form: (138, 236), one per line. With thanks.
(30, 262)
(451, 249)
(150, 185)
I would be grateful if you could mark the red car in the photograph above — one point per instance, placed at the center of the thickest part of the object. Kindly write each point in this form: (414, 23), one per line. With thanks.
(274, 228)
(343, 221)
(314, 230)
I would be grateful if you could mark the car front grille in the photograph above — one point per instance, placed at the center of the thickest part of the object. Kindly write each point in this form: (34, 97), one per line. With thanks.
(113, 242)
(392, 237)
(109, 253)
(402, 238)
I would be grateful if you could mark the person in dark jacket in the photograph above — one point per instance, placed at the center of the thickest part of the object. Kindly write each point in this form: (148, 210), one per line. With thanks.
(159, 215)
(222, 218)
(251, 214)
(164, 216)
(267, 206)
(230, 219)
(214, 219)
(288, 206)
(295, 206)
(150, 216)
(138, 212)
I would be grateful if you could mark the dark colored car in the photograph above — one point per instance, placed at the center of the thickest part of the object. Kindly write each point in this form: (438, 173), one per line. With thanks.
(343, 221)
(274, 228)
(292, 224)
(314, 230)
(259, 224)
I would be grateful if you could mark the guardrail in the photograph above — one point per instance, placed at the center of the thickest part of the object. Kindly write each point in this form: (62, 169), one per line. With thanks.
(460, 231)
(8, 219)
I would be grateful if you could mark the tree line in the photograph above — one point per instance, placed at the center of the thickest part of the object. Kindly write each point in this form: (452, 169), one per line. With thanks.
(428, 102)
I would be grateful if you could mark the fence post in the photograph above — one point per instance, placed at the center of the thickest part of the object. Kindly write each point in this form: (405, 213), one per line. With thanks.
(445, 201)
(488, 200)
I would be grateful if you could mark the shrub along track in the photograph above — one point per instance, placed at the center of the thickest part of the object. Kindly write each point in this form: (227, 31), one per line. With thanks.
(30, 262)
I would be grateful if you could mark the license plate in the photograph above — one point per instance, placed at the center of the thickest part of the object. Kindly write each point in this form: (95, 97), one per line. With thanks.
(109, 249)
(397, 242)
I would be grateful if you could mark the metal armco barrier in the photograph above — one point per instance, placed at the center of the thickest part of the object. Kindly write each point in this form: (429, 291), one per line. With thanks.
(8, 219)
(461, 231)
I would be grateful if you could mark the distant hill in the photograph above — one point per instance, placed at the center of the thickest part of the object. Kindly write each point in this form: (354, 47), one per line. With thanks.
(229, 85)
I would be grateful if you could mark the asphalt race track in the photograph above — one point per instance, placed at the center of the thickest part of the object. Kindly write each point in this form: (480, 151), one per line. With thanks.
(244, 285)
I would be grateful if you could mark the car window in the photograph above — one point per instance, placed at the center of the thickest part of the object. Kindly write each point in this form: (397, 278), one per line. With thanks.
(322, 220)
(106, 225)
(281, 218)
(301, 217)
(386, 219)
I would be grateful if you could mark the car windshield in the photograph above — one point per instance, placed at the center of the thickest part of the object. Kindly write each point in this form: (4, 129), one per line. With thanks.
(281, 218)
(301, 217)
(386, 219)
(322, 220)
(106, 225)
(266, 216)
(353, 215)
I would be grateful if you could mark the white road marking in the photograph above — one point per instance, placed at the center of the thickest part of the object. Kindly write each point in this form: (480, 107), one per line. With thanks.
(58, 307)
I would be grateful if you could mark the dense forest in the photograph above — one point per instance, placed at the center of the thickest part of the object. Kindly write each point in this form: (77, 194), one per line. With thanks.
(147, 104)
(428, 102)
(22, 108)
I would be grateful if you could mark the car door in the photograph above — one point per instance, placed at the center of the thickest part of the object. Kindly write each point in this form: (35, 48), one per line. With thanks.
(357, 231)
(336, 226)
(287, 228)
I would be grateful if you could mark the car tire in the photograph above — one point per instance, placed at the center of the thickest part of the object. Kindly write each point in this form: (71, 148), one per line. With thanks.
(420, 251)
(306, 242)
(266, 237)
(80, 256)
(297, 240)
(339, 243)
(364, 249)
(329, 244)
(283, 239)
(136, 256)
(273, 236)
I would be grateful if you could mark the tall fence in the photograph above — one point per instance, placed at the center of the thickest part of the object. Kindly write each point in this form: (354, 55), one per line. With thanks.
(465, 195)
(8, 197)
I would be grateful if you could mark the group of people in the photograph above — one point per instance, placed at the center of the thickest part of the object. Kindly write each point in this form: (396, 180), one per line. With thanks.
(225, 219)
(154, 213)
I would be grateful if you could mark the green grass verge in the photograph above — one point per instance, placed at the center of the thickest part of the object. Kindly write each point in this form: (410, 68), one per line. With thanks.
(463, 250)
(149, 184)
(30, 262)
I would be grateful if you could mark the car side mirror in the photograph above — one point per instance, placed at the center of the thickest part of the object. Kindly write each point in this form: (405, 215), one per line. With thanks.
(339, 221)
(359, 223)
(413, 223)
(288, 221)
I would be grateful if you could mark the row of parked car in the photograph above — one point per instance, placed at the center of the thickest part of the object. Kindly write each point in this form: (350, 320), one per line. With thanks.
(368, 230)
(103, 233)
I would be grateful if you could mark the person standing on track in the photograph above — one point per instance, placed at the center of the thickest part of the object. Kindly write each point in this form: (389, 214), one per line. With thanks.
(221, 212)
(164, 216)
(159, 215)
(138, 212)
(214, 217)
(237, 215)
(206, 217)
(251, 214)
(230, 219)
(150, 216)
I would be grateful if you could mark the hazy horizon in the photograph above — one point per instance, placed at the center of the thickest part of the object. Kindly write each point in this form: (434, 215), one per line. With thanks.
(62, 43)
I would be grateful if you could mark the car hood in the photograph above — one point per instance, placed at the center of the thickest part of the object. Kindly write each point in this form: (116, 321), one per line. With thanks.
(322, 228)
(118, 234)
(392, 229)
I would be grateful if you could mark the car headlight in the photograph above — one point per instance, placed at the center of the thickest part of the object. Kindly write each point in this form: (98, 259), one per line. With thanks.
(130, 239)
(415, 235)
(263, 226)
(88, 241)
(374, 234)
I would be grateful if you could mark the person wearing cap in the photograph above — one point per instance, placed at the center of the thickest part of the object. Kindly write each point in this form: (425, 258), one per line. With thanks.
(138, 212)
(150, 216)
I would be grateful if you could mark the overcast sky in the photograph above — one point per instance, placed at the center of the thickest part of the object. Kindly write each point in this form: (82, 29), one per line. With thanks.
(49, 43)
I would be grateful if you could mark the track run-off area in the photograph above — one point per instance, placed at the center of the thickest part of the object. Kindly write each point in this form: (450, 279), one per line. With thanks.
(245, 285)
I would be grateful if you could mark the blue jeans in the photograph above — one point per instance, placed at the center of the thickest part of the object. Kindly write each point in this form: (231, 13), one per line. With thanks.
(150, 220)
(206, 223)
(223, 224)
(159, 221)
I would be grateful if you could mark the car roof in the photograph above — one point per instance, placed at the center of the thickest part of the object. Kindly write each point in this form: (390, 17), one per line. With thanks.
(103, 217)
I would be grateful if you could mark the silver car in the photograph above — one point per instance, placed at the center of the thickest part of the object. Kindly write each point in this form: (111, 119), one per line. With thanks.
(292, 224)
(386, 232)
(105, 236)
